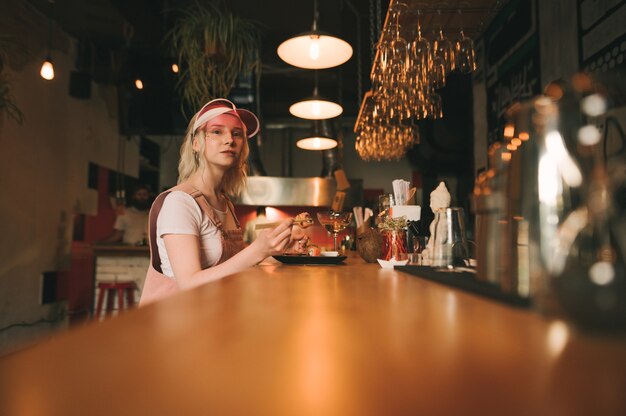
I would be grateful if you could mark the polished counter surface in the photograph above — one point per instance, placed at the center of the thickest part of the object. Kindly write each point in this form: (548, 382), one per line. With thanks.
(351, 339)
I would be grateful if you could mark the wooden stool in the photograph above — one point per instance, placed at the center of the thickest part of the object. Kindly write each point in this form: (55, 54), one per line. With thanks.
(111, 289)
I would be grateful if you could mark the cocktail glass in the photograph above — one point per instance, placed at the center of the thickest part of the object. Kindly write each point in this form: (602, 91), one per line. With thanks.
(334, 222)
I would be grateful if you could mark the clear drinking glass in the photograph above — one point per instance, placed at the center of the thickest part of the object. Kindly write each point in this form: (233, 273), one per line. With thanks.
(334, 222)
(465, 55)
(385, 201)
(443, 48)
(420, 54)
(438, 72)
(418, 244)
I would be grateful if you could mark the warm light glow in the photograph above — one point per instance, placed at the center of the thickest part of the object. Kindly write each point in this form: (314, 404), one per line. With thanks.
(506, 156)
(549, 186)
(542, 103)
(523, 136)
(589, 135)
(554, 91)
(511, 147)
(557, 337)
(516, 142)
(175, 68)
(569, 170)
(509, 131)
(316, 143)
(274, 214)
(138, 84)
(593, 105)
(47, 70)
(316, 109)
(602, 273)
(314, 51)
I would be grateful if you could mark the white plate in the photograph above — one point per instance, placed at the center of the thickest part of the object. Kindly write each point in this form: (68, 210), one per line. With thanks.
(329, 253)
(388, 264)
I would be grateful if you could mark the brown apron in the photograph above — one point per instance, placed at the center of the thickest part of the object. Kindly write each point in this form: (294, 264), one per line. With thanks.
(157, 285)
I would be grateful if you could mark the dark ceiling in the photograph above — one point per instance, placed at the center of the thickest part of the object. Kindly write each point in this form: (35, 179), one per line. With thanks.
(133, 31)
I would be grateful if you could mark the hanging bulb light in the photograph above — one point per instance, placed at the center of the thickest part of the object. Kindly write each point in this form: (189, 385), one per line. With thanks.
(317, 141)
(175, 68)
(315, 49)
(139, 84)
(47, 69)
(315, 107)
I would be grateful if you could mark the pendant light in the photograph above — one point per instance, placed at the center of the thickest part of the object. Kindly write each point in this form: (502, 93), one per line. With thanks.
(315, 107)
(315, 49)
(317, 141)
(47, 68)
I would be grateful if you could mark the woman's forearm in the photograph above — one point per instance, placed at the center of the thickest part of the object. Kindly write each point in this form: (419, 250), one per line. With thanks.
(247, 257)
(267, 244)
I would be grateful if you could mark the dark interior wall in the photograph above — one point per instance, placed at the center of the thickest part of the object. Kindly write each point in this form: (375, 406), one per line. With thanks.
(445, 151)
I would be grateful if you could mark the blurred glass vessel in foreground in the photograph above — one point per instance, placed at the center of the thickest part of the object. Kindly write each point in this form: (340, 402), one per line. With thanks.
(551, 215)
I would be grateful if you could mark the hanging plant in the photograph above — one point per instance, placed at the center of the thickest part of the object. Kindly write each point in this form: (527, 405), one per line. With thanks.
(7, 103)
(213, 47)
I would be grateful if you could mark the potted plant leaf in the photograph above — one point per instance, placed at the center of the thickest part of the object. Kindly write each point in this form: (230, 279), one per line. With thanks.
(7, 103)
(213, 48)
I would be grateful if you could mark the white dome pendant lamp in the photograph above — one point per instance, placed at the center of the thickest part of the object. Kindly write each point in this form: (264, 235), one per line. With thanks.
(315, 49)
(315, 107)
(317, 141)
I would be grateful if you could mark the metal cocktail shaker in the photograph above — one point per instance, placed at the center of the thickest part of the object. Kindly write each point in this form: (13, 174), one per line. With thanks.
(489, 205)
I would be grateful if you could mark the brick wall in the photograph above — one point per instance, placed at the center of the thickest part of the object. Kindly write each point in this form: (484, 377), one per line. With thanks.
(115, 268)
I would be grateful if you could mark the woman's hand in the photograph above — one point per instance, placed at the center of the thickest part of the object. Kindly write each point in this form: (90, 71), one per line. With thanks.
(184, 254)
(299, 240)
(297, 233)
(273, 241)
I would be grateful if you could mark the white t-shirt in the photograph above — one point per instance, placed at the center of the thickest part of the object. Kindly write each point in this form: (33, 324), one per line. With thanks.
(134, 224)
(180, 214)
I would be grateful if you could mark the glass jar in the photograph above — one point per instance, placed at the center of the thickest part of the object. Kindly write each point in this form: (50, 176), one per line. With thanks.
(385, 201)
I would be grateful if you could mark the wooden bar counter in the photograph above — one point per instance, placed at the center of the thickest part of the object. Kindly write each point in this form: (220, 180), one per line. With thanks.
(352, 339)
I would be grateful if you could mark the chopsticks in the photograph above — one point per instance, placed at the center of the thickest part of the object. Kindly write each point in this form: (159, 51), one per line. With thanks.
(358, 216)
(307, 221)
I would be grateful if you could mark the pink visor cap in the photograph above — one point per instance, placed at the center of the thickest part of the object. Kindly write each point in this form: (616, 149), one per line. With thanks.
(221, 106)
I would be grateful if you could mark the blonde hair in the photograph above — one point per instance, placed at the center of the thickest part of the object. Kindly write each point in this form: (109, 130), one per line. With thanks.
(234, 180)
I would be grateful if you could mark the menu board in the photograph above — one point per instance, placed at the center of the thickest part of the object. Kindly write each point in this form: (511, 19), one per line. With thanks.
(602, 35)
(512, 67)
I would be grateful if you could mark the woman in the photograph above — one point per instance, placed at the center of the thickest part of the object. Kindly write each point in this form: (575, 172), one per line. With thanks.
(195, 237)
